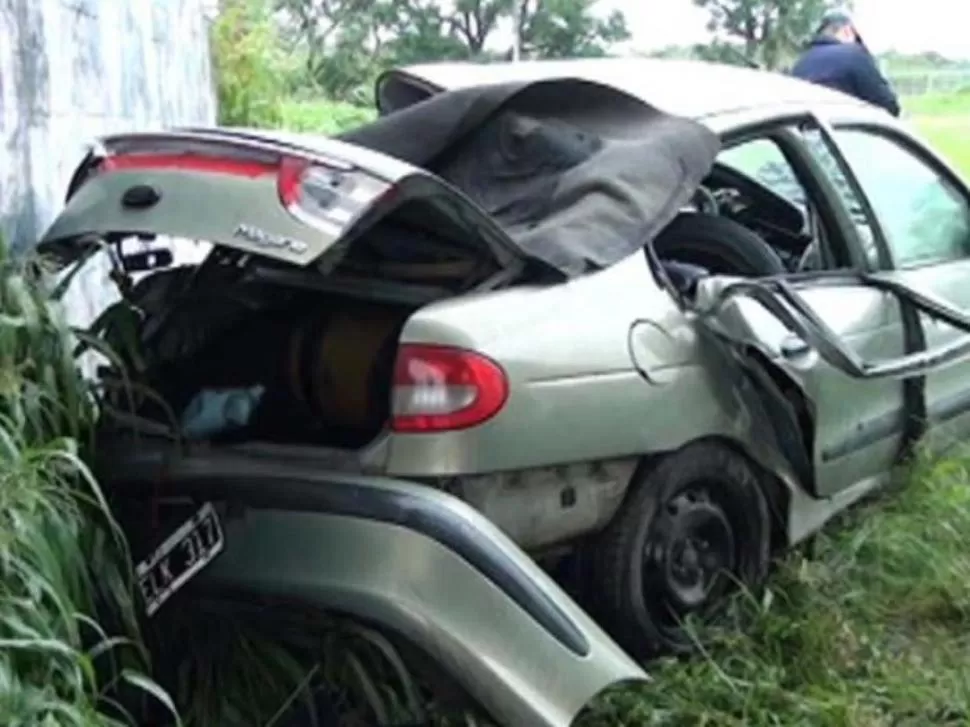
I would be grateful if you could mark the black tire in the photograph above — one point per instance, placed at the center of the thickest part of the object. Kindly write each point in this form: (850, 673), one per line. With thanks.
(718, 244)
(710, 491)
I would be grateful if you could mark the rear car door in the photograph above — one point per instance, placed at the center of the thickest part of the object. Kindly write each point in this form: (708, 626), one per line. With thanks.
(923, 209)
(835, 338)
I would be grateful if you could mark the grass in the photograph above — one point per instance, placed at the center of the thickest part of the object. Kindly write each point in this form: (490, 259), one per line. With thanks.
(323, 117)
(62, 559)
(944, 121)
(950, 138)
(871, 631)
(938, 105)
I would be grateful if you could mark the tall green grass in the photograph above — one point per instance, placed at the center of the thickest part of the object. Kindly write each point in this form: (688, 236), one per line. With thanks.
(237, 664)
(63, 561)
(872, 630)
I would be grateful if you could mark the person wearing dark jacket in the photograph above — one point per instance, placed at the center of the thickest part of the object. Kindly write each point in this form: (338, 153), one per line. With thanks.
(838, 58)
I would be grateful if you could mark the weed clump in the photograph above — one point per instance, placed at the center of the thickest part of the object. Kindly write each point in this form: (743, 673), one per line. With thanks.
(63, 561)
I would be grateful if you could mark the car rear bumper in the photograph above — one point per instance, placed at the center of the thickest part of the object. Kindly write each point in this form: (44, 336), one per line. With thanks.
(409, 558)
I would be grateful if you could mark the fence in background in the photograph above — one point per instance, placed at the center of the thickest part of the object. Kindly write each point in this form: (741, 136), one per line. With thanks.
(921, 83)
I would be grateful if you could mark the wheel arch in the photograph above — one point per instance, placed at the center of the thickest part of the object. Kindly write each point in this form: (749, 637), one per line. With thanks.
(776, 491)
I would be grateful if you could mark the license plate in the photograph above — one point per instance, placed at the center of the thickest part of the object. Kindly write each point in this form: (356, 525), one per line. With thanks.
(180, 557)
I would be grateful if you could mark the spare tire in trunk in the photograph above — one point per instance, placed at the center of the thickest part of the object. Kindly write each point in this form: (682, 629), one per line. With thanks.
(325, 364)
(340, 365)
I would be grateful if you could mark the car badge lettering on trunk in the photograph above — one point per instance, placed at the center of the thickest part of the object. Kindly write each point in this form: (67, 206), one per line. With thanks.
(262, 238)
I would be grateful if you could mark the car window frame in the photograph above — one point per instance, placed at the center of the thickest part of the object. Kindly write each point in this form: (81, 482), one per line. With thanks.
(780, 144)
(786, 131)
(780, 294)
(923, 153)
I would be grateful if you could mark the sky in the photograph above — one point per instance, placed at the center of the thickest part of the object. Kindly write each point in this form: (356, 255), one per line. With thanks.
(906, 25)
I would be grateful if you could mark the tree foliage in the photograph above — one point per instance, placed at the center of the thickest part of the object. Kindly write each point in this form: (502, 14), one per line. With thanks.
(343, 43)
(247, 63)
(769, 32)
(569, 28)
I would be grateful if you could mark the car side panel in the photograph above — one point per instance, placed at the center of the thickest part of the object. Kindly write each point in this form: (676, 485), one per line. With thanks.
(619, 370)
(576, 393)
(601, 368)
(857, 423)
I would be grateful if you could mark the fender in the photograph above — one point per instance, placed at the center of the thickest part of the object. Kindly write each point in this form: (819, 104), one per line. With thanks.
(411, 559)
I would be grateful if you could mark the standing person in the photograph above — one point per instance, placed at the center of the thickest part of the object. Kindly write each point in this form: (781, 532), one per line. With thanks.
(838, 58)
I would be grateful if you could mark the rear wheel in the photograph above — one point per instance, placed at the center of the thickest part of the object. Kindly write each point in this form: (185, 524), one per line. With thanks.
(692, 528)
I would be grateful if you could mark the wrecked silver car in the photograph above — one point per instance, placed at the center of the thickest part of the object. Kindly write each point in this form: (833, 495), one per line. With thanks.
(556, 309)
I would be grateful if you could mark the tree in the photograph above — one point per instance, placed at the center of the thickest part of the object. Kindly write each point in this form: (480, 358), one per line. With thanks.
(423, 30)
(568, 28)
(473, 21)
(247, 64)
(769, 31)
(337, 40)
(345, 42)
(545, 29)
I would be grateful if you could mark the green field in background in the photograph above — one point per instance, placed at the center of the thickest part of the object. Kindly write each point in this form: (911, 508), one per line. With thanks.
(944, 121)
(950, 137)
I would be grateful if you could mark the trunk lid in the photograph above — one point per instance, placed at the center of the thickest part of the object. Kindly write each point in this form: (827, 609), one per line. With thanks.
(289, 197)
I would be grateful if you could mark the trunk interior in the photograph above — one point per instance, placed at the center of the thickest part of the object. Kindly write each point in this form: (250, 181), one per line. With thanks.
(322, 364)
(306, 355)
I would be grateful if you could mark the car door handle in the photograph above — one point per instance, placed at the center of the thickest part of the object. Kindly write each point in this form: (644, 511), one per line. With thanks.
(794, 347)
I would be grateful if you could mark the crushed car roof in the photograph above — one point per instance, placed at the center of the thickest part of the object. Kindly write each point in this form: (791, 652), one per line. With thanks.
(694, 89)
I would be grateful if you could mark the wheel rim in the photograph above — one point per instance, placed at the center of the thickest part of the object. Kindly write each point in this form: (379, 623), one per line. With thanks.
(688, 556)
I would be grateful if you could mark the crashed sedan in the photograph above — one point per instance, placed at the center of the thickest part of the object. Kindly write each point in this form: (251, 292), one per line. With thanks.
(636, 324)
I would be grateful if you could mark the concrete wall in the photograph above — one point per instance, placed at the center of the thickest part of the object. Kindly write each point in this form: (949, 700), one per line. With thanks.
(73, 69)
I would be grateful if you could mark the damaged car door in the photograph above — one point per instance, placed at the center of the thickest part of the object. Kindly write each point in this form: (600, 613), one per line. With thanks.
(822, 340)
(923, 209)
(881, 348)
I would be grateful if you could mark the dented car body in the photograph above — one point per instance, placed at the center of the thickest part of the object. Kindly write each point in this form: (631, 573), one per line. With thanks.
(545, 314)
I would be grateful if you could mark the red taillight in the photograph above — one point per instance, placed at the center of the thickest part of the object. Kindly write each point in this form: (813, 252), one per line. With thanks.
(438, 389)
(328, 196)
(187, 162)
(288, 181)
(322, 192)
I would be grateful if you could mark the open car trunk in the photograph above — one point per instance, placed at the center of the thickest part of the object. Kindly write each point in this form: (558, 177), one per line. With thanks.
(287, 329)
(322, 248)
